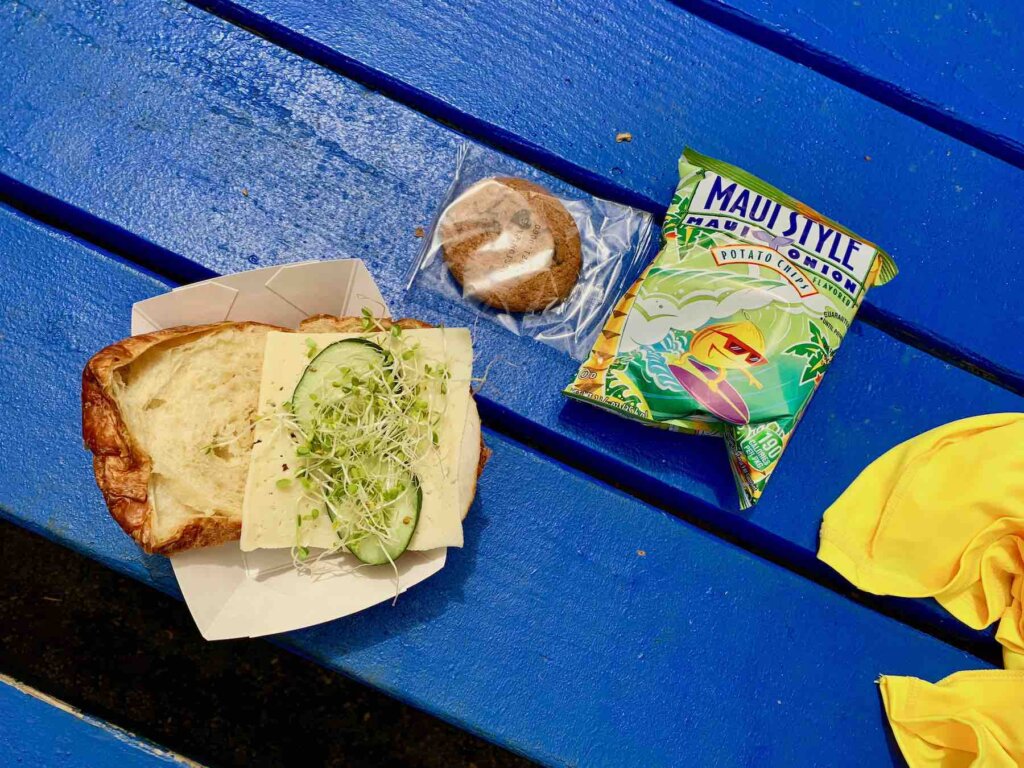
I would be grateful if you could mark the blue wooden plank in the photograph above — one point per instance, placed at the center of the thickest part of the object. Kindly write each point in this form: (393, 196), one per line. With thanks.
(165, 147)
(579, 626)
(37, 730)
(572, 75)
(955, 66)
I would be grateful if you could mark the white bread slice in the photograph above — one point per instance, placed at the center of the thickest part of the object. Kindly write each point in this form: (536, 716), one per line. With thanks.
(168, 417)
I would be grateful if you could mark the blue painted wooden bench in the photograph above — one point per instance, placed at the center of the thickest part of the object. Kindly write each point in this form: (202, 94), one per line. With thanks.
(578, 626)
(329, 152)
(38, 730)
(950, 66)
(924, 195)
(138, 126)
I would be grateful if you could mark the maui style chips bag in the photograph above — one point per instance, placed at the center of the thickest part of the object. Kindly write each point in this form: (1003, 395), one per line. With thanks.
(730, 329)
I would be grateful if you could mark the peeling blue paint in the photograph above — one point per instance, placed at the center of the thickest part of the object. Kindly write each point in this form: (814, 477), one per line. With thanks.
(39, 731)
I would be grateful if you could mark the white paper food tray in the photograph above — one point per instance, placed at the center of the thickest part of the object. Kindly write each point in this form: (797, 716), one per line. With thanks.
(226, 601)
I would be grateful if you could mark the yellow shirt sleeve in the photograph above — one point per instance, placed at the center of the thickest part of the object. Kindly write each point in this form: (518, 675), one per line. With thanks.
(969, 719)
(941, 515)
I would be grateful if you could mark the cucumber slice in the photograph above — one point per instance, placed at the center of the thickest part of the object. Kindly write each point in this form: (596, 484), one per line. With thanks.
(338, 363)
(358, 355)
(371, 549)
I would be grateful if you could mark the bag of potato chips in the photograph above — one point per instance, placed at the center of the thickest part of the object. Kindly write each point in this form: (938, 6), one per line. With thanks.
(732, 326)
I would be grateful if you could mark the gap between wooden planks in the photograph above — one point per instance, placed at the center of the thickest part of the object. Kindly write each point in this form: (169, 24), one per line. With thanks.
(888, 177)
(577, 625)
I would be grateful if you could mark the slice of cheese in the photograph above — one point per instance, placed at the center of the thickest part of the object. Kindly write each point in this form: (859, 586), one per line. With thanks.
(269, 512)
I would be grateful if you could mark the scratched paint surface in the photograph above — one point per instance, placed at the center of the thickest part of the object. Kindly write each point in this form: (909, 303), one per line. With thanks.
(45, 339)
(569, 597)
(310, 196)
(36, 730)
(155, 117)
(950, 63)
(164, 145)
(573, 74)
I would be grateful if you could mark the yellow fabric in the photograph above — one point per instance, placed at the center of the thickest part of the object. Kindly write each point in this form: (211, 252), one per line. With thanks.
(942, 516)
(969, 719)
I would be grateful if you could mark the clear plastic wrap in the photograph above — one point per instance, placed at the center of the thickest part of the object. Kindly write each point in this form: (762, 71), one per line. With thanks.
(529, 252)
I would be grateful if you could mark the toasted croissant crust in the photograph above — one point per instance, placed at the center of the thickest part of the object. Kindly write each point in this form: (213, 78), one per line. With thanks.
(121, 466)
